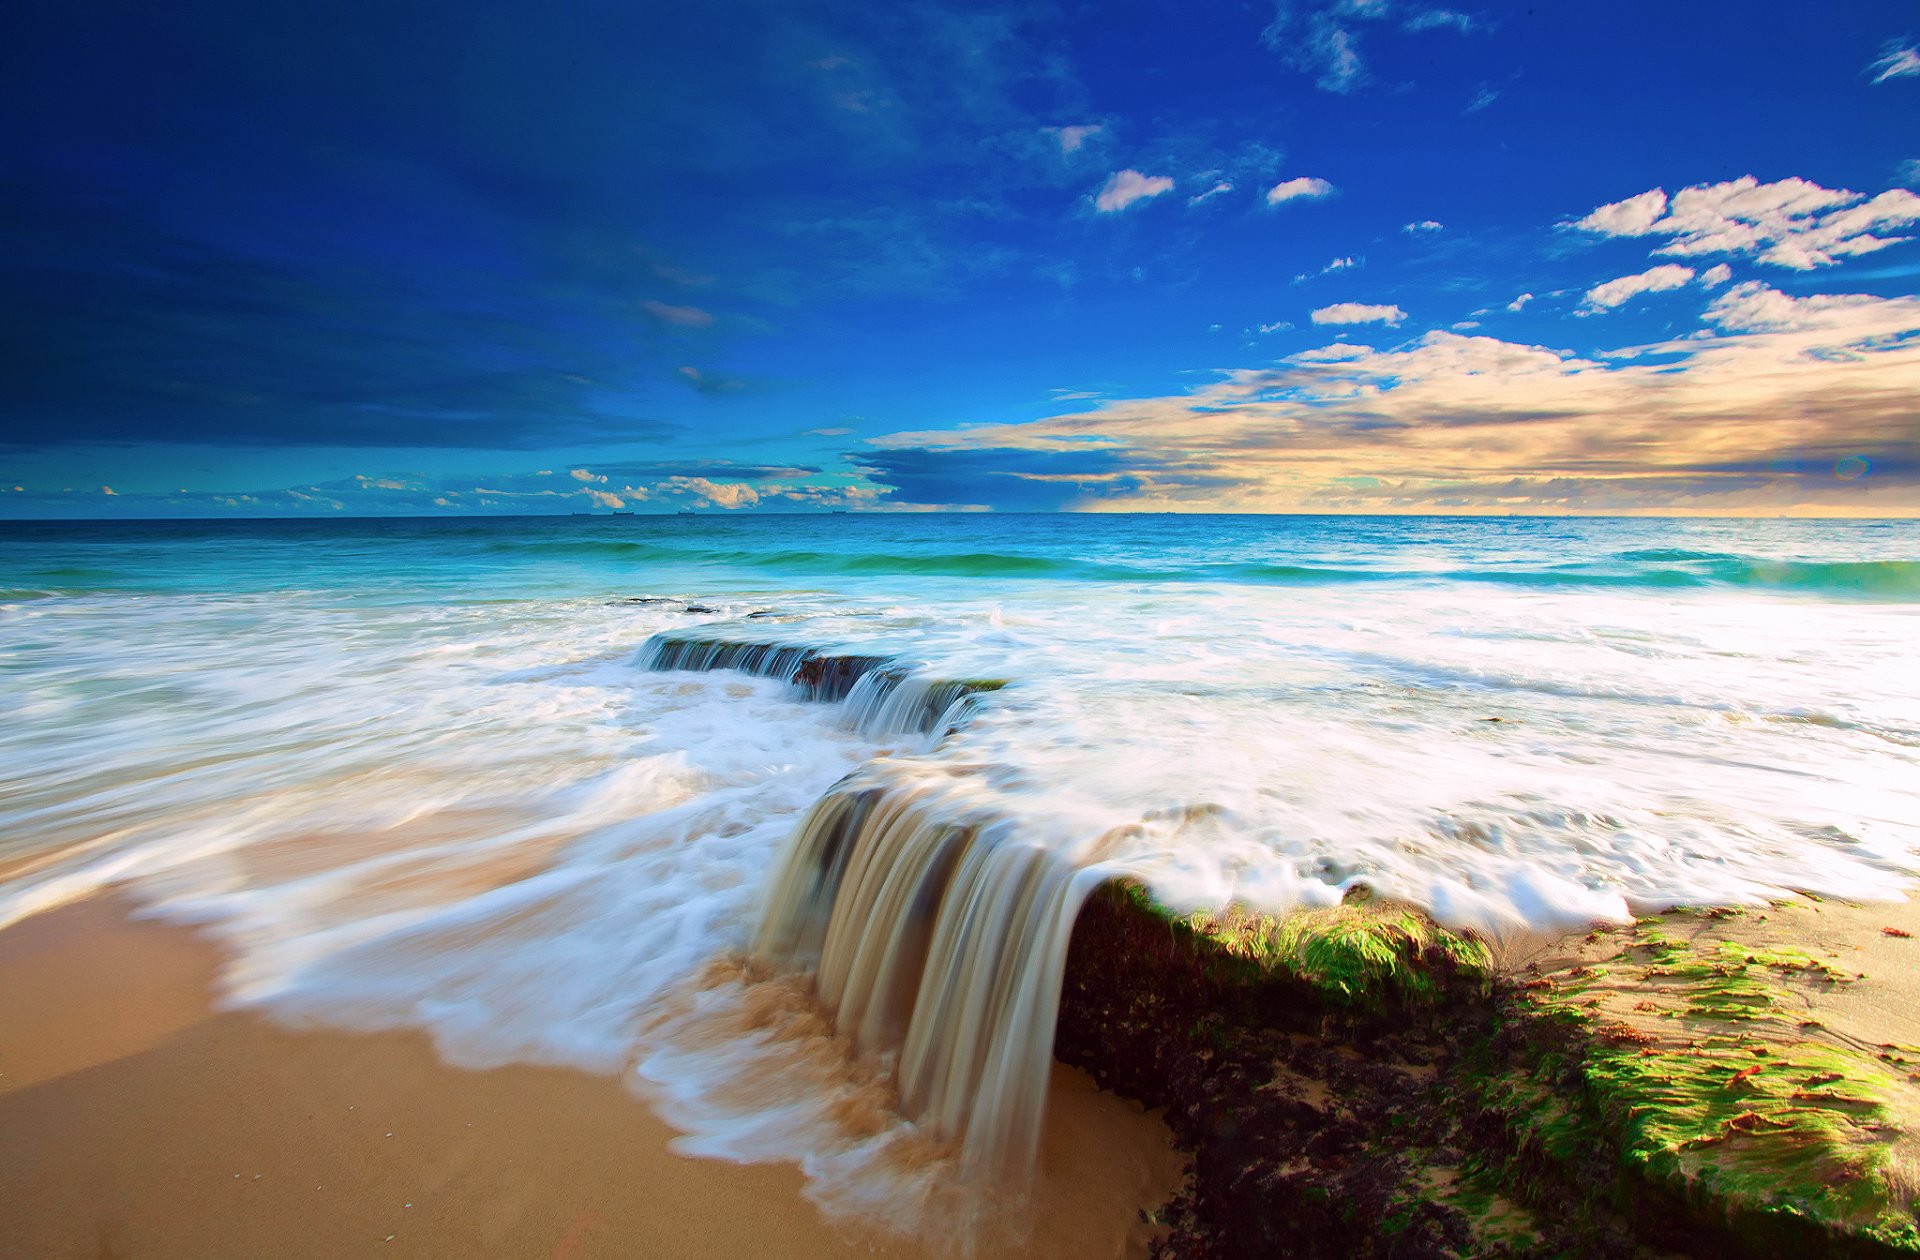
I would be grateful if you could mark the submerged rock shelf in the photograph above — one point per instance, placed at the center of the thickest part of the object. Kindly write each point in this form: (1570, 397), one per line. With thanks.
(882, 695)
(1361, 1083)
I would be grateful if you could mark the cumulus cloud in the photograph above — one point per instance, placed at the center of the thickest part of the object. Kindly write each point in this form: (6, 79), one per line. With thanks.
(1422, 227)
(1123, 188)
(1359, 313)
(1294, 189)
(678, 316)
(1753, 413)
(1754, 307)
(720, 494)
(1072, 138)
(1896, 61)
(1520, 302)
(1791, 223)
(1604, 297)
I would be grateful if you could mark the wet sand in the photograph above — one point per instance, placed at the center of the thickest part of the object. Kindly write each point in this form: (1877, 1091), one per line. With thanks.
(136, 1121)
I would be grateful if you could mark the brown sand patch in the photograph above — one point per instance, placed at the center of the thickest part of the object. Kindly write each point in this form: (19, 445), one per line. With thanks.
(134, 1121)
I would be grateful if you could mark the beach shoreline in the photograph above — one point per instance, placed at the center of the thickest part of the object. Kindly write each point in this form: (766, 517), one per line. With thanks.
(138, 1120)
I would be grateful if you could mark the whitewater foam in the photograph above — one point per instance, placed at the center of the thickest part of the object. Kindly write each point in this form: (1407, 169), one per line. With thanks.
(502, 807)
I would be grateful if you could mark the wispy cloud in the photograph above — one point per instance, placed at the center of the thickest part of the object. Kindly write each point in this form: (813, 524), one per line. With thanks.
(1423, 227)
(678, 316)
(1221, 187)
(1520, 302)
(1347, 263)
(1604, 297)
(1438, 19)
(1791, 223)
(1295, 189)
(1481, 99)
(1359, 313)
(1322, 37)
(1124, 188)
(1072, 138)
(1896, 61)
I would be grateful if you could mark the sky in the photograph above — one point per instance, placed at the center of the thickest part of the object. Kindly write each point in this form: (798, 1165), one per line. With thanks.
(750, 255)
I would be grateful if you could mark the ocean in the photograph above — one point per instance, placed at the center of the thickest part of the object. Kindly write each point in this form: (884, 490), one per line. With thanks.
(641, 795)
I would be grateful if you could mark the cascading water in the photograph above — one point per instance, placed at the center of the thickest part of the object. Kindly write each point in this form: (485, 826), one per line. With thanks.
(935, 935)
(882, 696)
(937, 939)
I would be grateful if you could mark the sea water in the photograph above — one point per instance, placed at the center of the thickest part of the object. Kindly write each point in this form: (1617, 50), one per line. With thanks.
(456, 775)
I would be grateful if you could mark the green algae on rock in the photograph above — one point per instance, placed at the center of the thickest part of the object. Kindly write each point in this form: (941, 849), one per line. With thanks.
(1361, 1082)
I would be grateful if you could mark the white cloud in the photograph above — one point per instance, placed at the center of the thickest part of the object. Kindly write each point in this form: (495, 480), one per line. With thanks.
(1633, 217)
(1435, 19)
(1748, 415)
(107, 490)
(1338, 264)
(678, 316)
(1481, 99)
(1359, 313)
(1604, 297)
(1341, 353)
(1425, 225)
(1896, 61)
(1071, 138)
(1294, 189)
(1322, 37)
(1753, 307)
(1790, 223)
(1520, 302)
(721, 494)
(1222, 187)
(1123, 188)
(1908, 172)
(835, 431)
(603, 499)
(1279, 325)
(1715, 276)
(581, 474)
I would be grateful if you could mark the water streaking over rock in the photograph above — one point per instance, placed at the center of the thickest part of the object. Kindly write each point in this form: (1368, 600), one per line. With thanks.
(787, 821)
(937, 936)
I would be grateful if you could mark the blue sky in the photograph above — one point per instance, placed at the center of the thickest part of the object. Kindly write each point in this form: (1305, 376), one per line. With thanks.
(1329, 255)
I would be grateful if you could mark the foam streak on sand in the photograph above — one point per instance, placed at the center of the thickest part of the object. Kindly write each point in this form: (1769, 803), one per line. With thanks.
(801, 864)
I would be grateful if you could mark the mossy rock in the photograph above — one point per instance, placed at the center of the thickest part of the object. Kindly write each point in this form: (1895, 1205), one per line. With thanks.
(1364, 955)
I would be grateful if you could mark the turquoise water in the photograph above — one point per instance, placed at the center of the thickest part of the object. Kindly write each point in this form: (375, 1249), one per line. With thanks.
(541, 557)
(419, 774)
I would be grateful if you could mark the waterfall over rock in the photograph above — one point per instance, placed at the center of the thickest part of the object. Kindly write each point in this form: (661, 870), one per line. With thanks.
(937, 939)
(934, 932)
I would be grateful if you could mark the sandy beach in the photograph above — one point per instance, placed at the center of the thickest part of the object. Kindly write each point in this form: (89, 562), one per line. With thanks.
(137, 1121)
